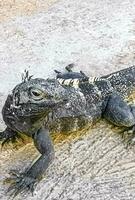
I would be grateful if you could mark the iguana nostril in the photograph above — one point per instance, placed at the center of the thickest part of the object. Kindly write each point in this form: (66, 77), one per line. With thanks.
(65, 100)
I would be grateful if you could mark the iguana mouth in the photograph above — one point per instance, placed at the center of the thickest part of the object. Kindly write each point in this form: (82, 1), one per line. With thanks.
(29, 109)
(45, 104)
(55, 104)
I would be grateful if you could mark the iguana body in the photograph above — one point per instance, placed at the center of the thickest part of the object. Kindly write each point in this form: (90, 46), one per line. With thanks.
(37, 107)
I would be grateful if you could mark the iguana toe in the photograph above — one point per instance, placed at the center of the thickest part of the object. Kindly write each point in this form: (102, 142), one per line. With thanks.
(22, 183)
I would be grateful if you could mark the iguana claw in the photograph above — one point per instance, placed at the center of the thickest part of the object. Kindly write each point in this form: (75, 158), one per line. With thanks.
(22, 183)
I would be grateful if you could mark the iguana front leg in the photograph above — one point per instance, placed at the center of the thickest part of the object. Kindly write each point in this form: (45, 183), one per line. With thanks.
(27, 180)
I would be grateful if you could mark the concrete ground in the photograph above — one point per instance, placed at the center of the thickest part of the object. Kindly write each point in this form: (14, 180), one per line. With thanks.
(98, 36)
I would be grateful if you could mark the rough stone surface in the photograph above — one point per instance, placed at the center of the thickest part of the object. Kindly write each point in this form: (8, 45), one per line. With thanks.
(98, 36)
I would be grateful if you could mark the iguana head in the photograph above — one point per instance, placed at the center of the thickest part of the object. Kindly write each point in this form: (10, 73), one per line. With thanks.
(37, 96)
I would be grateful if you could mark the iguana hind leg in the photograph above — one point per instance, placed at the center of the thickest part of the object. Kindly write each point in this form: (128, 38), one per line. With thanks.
(121, 114)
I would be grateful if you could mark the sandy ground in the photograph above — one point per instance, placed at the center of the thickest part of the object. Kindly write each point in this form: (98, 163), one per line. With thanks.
(11, 8)
(98, 36)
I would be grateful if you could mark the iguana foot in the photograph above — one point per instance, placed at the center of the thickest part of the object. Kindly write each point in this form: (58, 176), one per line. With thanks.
(131, 137)
(22, 183)
(128, 136)
(9, 136)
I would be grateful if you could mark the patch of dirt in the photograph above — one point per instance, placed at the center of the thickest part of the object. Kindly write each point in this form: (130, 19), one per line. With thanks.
(11, 8)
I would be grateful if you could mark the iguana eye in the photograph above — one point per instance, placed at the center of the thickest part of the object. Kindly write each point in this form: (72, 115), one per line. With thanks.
(36, 94)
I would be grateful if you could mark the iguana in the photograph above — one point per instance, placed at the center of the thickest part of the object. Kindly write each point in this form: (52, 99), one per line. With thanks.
(71, 102)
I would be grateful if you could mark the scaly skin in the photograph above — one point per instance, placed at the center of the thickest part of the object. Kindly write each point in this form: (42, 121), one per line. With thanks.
(37, 107)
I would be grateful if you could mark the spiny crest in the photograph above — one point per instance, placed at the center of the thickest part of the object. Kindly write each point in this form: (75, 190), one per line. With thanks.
(69, 82)
(25, 76)
(94, 79)
(75, 82)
